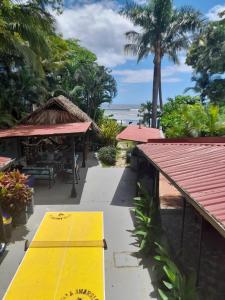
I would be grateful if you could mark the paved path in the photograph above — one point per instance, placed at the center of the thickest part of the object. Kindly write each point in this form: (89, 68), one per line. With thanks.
(107, 189)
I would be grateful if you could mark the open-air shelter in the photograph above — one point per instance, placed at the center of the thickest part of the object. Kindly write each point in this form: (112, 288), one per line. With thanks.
(58, 117)
(72, 130)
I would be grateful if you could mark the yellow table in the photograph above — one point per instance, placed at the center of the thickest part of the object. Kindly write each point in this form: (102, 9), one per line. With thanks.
(65, 260)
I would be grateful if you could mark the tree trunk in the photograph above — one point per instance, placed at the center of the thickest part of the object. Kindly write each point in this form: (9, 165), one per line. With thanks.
(155, 89)
(88, 104)
(160, 89)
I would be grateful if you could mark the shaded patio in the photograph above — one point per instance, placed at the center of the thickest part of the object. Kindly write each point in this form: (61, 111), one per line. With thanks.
(106, 189)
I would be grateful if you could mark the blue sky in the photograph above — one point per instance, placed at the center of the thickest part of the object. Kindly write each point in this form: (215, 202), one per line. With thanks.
(100, 28)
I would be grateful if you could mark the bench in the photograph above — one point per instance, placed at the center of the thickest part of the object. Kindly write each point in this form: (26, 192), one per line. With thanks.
(41, 173)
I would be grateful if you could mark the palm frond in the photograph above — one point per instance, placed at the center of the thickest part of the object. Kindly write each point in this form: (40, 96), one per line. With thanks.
(131, 49)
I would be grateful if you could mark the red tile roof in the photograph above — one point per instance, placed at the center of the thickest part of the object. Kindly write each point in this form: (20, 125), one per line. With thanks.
(198, 171)
(136, 134)
(45, 130)
(4, 162)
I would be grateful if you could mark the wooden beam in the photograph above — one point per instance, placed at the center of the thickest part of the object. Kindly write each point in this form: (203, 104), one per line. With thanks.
(73, 191)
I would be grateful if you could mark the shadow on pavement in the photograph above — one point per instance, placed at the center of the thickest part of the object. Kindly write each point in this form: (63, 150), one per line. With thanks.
(59, 193)
(147, 262)
(126, 189)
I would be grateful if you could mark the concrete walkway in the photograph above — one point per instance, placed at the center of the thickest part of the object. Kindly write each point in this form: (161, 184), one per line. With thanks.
(109, 190)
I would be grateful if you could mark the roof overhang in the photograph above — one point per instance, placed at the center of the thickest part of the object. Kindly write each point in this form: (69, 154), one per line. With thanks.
(46, 130)
(5, 162)
(139, 134)
(197, 171)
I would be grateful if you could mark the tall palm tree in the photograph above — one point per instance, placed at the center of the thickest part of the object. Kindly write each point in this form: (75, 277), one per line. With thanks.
(145, 111)
(24, 30)
(164, 30)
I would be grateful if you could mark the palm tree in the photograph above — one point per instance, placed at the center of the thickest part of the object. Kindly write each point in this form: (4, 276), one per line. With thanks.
(202, 81)
(164, 31)
(145, 111)
(24, 30)
(94, 85)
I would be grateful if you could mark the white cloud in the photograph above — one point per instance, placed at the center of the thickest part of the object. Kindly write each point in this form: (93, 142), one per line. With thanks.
(99, 27)
(170, 74)
(212, 14)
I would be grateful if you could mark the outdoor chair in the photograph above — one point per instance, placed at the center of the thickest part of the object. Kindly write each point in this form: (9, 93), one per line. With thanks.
(41, 173)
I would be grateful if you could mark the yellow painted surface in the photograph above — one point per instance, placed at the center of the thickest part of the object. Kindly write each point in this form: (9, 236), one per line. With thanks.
(63, 271)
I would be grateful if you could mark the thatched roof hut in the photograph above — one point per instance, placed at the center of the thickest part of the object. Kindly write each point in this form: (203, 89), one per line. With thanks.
(58, 110)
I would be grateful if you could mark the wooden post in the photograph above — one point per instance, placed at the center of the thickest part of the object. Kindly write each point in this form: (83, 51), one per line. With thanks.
(200, 249)
(73, 191)
(85, 145)
(182, 225)
(156, 188)
(156, 200)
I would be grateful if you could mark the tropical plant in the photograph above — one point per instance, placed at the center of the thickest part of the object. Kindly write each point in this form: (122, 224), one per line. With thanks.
(24, 31)
(164, 31)
(207, 56)
(142, 230)
(177, 286)
(94, 86)
(145, 111)
(24, 34)
(15, 195)
(147, 226)
(107, 155)
(109, 130)
(36, 63)
(185, 116)
(207, 52)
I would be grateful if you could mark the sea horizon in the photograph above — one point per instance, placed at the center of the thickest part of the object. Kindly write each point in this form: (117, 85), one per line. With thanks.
(124, 114)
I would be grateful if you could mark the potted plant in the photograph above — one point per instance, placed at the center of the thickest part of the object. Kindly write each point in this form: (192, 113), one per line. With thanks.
(15, 195)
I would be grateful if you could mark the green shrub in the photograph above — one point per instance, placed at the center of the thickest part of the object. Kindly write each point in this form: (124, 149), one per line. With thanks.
(175, 284)
(147, 226)
(109, 130)
(107, 155)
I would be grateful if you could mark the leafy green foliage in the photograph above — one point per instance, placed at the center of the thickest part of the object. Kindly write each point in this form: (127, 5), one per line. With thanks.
(145, 112)
(207, 52)
(164, 32)
(24, 31)
(147, 226)
(176, 285)
(207, 56)
(210, 87)
(107, 155)
(94, 86)
(185, 116)
(109, 130)
(36, 63)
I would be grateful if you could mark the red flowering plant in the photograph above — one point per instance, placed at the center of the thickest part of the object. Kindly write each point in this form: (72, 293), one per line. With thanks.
(15, 195)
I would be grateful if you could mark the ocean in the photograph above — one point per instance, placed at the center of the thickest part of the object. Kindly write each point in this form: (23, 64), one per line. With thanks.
(124, 114)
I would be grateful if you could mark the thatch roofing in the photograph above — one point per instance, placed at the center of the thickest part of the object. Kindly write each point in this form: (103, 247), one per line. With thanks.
(58, 110)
